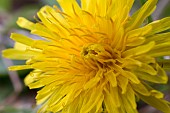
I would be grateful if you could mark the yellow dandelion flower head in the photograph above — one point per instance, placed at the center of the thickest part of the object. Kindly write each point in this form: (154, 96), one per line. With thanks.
(94, 57)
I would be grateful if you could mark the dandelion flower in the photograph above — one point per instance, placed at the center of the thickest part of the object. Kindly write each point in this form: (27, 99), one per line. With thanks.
(94, 57)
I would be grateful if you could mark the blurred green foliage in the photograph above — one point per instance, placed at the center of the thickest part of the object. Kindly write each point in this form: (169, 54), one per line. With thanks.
(5, 5)
(9, 109)
(166, 11)
(3, 70)
(50, 2)
(5, 86)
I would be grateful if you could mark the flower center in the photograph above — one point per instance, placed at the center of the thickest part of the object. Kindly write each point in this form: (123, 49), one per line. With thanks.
(92, 51)
(102, 56)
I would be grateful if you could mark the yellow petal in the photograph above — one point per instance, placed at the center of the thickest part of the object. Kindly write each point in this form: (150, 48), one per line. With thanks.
(73, 107)
(20, 67)
(139, 16)
(41, 30)
(145, 59)
(132, 77)
(115, 94)
(89, 5)
(24, 23)
(155, 79)
(18, 54)
(39, 44)
(159, 25)
(22, 39)
(123, 83)
(140, 88)
(135, 41)
(159, 104)
(20, 46)
(146, 68)
(154, 92)
(130, 62)
(139, 32)
(93, 81)
(138, 50)
(70, 7)
(111, 77)
(102, 11)
(112, 99)
(115, 7)
(32, 77)
(157, 94)
(127, 103)
(60, 99)
(159, 38)
(94, 98)
(54, 21)
(161, 49)
(130, 96)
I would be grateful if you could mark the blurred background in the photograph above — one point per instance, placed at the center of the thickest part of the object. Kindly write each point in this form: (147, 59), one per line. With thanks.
(15, 97)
